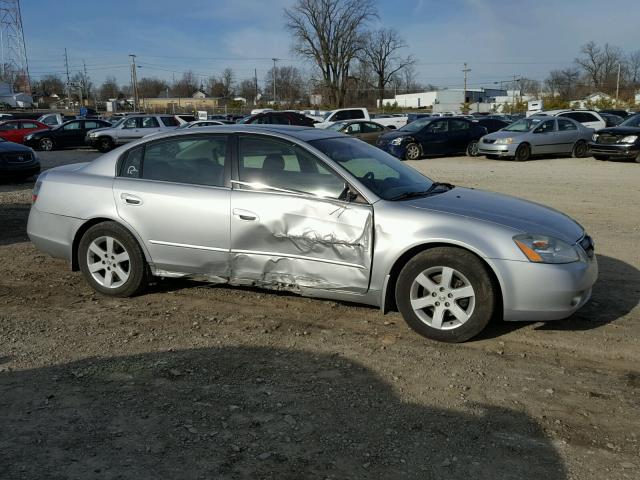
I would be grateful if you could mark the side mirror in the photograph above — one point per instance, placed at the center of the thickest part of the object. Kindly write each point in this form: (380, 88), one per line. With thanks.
(347, 194)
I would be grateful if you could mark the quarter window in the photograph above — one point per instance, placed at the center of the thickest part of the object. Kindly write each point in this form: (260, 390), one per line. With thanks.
(169, 121)
(439, 126)
(264, 162)
(91, 125)
(353, 129)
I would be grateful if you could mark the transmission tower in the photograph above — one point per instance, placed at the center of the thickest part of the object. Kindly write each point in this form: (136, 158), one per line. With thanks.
(13, 54)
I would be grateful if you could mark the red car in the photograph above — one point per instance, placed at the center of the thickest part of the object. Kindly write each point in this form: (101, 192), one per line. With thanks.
(15, 130)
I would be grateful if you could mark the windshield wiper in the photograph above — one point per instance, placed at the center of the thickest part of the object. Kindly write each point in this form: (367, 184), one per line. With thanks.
(430, 191)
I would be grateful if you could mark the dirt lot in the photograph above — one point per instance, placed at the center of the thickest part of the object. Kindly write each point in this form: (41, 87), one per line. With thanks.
(200, 381)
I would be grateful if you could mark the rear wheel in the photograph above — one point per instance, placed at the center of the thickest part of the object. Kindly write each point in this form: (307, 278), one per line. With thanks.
(111, 260)
(472, 149)
(412, 151)
(45, 144)
(523, 153)
(105, 144)
(601, 157)
(446, 294)
(580, 149)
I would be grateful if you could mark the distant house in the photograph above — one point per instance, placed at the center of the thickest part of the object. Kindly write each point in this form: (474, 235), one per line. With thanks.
(593, 99)
(199, 94)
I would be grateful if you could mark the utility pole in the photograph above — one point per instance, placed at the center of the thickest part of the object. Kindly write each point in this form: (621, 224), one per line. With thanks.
(513, 93)
(85, 81)
(255, 79)
(274, 80)
(465, 70)
(618, 85)
(134, 81)
(66, 64)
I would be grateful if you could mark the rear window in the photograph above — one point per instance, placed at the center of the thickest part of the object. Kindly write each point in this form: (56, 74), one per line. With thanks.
(169, 121)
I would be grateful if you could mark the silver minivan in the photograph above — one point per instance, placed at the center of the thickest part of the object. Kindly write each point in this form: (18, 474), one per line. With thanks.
(132, 127)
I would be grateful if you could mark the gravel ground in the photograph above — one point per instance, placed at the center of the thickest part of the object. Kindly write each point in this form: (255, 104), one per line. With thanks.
(200, 381)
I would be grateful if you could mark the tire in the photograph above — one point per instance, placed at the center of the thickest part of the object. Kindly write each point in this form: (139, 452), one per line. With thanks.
(601, 157)
(523, 153)
(45, 144)
(126, 276)
(472, 149)
(580, 149)
(637, 159)
(420, 279)
(412, 152)
(105, 144)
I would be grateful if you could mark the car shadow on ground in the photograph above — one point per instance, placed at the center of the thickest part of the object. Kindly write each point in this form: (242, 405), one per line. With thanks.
(240, 412)
(13, 222)
(615, 294)
(16, 185)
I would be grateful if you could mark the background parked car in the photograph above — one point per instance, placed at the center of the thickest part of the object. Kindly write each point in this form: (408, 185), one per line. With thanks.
(621, 142)
(433, 136)
(279, 118)
(366, 131)
(589, 118)
(17, 161)
(53, 119)
(130, 128)
(201, 123)
(492, 124)
(69, 134)
(412, 117)
(537, 135)
(15, 130)
(619, 112)
(611, 119)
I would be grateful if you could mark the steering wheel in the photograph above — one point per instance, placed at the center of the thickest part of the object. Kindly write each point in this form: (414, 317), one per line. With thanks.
(369, 176)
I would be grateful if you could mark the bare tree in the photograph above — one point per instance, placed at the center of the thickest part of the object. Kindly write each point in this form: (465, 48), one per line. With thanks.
(151, 87)
(227, 79)
(563, 82)
(109, 89)
(529, 86)
(601, 65)
(329, 32)
(247, 90)
(186, 86)
(289, 83)
(381, 51)
(633, 68)
(48, 85)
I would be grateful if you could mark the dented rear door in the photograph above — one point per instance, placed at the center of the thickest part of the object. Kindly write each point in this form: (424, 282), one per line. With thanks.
(296, 242)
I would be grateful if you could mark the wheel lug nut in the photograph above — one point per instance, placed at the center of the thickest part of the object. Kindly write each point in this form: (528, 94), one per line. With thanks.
(442, 289)
(437, 304)
(434, 294)
(446, 304)
(450, 295)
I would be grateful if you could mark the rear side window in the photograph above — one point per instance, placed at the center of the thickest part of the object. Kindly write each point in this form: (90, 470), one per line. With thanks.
(458, 125)
(566, 125)
(29, 125)
(91, 125)
(371, 128)
(196, 161)
(169, 121)
(150, 122)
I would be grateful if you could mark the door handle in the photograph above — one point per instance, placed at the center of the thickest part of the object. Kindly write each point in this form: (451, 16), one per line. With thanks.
(130, 199)
(245, 214)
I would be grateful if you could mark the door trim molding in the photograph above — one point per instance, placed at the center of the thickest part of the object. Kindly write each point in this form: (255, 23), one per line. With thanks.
(186, 245)
(300, 257)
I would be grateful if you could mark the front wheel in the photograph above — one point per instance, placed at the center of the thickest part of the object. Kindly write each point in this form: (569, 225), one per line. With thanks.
(412, 151)
(473, 149)
(45, 144)
(523, 153)
(105, 144)
(446, 294)
(111, 260)
(580, 149)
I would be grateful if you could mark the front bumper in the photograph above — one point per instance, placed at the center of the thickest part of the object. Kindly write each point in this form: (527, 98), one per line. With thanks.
(397, 151)
(538, 291)
(14, 170)
(615, 150)
(499, 150)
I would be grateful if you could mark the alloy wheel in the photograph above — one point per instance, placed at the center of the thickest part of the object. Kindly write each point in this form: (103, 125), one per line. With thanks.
(108, 262)
(46, 144)
(413, 152)
(442, 298)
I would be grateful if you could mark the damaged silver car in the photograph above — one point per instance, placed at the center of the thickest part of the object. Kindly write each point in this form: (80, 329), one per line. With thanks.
(315, 212)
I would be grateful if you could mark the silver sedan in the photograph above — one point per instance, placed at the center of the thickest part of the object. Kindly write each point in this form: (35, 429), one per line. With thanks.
(537, 135)
(315, 212)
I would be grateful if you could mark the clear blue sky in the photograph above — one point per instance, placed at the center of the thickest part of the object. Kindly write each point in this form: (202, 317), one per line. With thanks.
(497, 38)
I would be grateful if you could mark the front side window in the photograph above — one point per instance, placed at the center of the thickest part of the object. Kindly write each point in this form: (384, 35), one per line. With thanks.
(131, 123)
(193, 160)
(545, 127)
(631, 122)
(439, 126)
(266, 162)
(383, 174)
(150, 122)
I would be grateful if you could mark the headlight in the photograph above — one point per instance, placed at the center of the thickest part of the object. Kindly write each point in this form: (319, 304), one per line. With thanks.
(29, 137)
(397, 141)
(544, 249)
(504, 141)
(595, 137)
(628, 139)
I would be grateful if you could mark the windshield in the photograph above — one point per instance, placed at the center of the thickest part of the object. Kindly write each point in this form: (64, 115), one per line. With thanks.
(523, 125)
(326, 115)
(117, 122)
(416, 125)
(383, 174)
(336, 126)
(631, 122)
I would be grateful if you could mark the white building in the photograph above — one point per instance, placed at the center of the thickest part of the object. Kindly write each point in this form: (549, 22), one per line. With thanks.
(411, 100)
(448, 99)
(19, 100)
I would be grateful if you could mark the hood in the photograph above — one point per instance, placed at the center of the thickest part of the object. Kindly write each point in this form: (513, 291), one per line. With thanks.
(38, 132)
(501, 134)
(101, 129)
(512, 212)
(620, 130)
(10, 147)
(387, 137)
